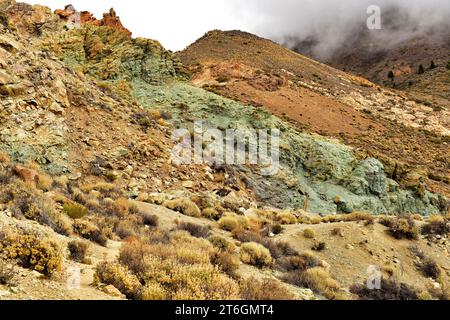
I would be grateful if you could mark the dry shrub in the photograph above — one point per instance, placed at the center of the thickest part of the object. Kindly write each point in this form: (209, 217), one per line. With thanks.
(401, 228)
(299, 262)
(267, 289)
(78, 250)
(210, 213)
(150, 220)
(190, 282)
(277, 248)
(37, 207)
(184, 206)
(276, 229)
(6, 271)
(286, 218)
(222, 244)
(194, 229)
(90, 232)
(436, 225)
(426, 265)
(4, 158)
(390, 290)
(122, 207)
(309, 233)
(316, 279)
(132, 254)
(228, 223)
(355, 216)
(319, 246)
(153, 291)
(120, 277)
(255, 254)
(45, 182)
(126, 229)
(33, 253)
(226, 262)
(75, 210)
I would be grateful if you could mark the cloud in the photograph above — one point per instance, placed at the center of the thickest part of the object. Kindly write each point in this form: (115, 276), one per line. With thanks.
(330, 23)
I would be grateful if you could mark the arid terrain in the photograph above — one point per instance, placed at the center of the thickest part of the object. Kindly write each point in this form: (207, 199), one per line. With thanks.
(93, 205)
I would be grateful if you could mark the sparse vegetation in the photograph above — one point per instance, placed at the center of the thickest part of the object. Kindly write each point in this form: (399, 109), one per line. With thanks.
(255, 254)
(390, 290)
(31, 252)
(436, 225)
(267, 289)
(401, 227)
(195, 230)
(78, 251)
(184, 206)
(316, 279)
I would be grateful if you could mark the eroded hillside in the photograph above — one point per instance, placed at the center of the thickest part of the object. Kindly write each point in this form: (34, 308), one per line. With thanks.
(88, 182)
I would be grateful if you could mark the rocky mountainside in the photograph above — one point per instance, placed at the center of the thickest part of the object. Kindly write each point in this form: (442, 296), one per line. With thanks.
(87, 117)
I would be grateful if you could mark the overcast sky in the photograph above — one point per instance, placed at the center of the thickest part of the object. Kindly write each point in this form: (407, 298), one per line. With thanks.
(177, 23)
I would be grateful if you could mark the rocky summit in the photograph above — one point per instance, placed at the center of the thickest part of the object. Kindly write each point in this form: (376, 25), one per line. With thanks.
(87, 119)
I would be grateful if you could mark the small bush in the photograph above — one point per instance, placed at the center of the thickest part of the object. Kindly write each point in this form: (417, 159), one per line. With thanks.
(298, 263)
(30, 252)
(226, 262)
(153, 292)
(309, 233)
(132, 255)
(90, 232)
(319, 246)
(184, 206)
(78, 250)
(195, 230)
(390, 290)
(45, 182)
(316, 279)
(255, 254)
(150, 220)
(222, 244)
(401, 228)
(120, 277)
(277, 229)
(286, 218)
(436, 225)
(228, 223)
(125, 229)
(75, 210)
(426, 265)
(210, 213)
(268, 289)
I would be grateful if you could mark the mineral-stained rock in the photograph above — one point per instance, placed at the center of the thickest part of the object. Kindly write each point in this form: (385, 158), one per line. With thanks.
(26, 174)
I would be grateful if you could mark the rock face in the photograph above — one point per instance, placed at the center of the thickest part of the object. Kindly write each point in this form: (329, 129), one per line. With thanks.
(71, 98)
(109, 19)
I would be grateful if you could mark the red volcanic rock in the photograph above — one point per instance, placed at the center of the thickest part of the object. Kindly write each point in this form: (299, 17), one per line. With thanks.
(110, 19)
(26, 174)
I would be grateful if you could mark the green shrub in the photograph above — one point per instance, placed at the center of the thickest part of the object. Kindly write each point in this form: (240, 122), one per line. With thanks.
(75, 210)
(309, 233)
